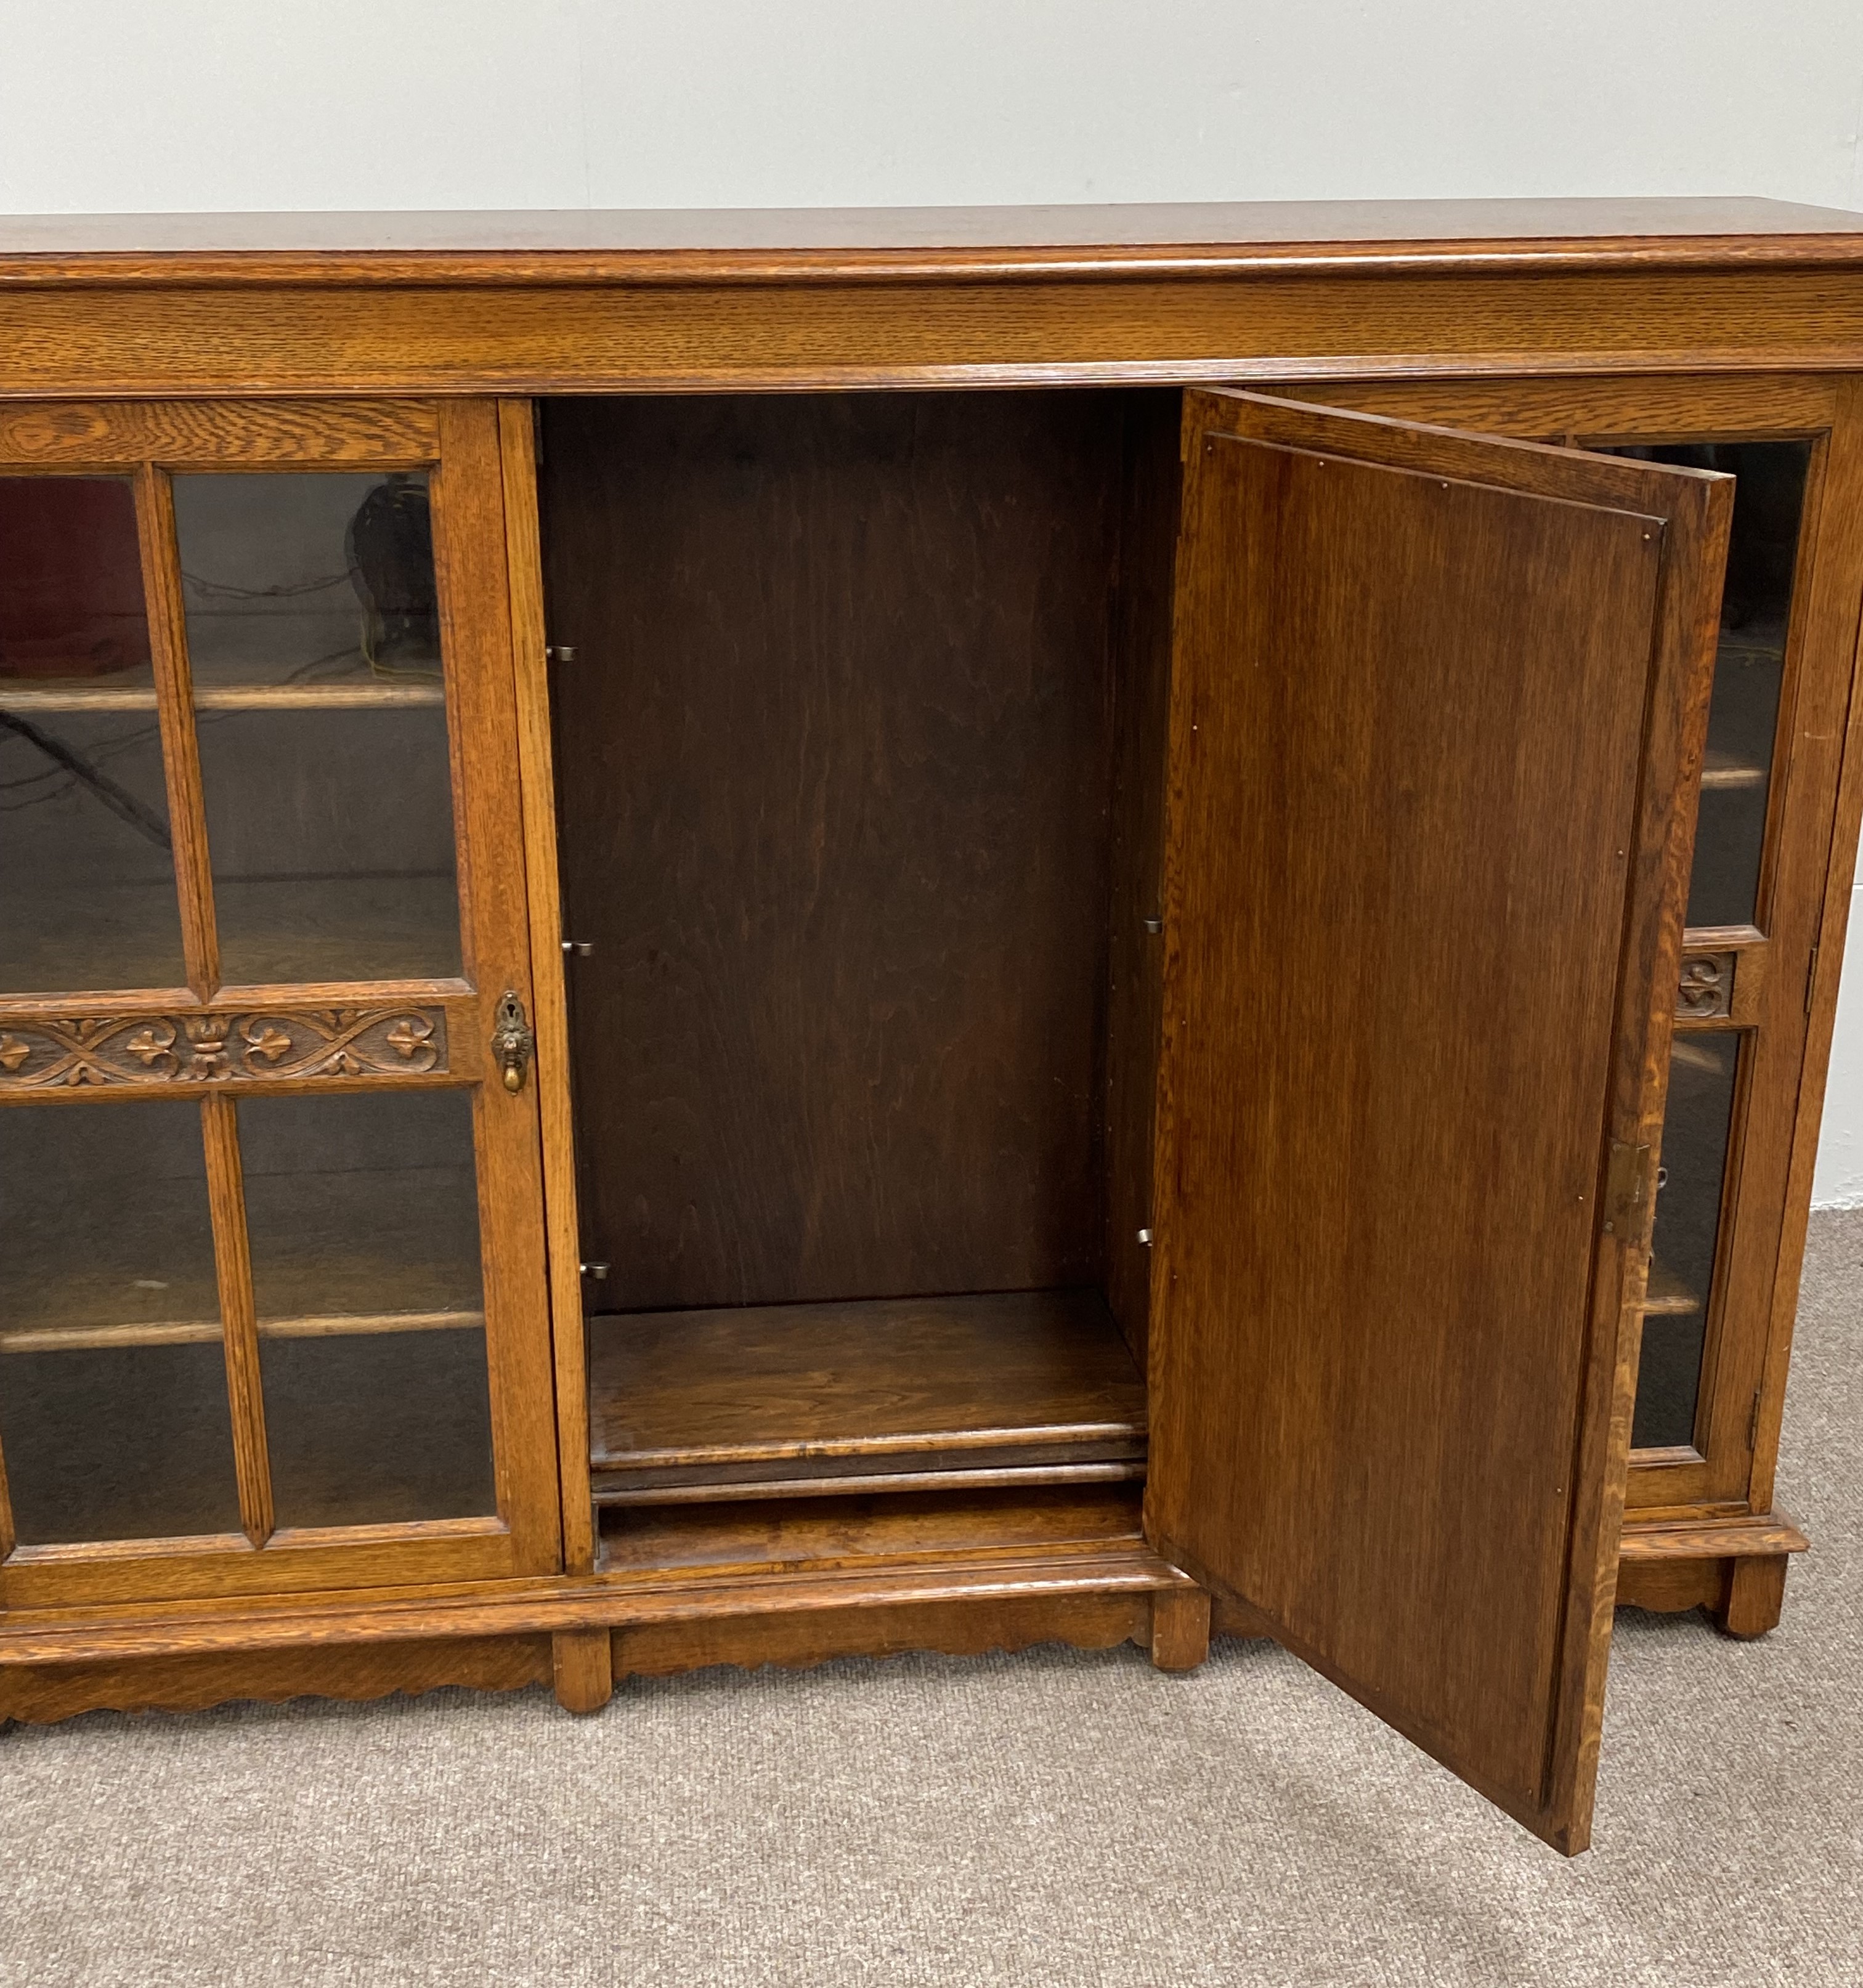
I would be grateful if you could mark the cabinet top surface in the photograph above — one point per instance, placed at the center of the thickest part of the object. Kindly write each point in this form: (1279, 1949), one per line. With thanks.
(670, 244)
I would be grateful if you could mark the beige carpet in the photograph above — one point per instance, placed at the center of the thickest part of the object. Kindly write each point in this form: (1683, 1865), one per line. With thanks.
(1046, 1818)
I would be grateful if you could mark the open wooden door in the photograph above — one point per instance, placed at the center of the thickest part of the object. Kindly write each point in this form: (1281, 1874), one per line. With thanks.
(1438, 701)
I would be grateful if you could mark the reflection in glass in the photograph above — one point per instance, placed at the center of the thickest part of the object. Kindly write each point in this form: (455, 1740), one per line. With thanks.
(313, 637)
(114, 1416)
(362, 1215)
(1702, 1068)
(1750, 666)
(87, 897)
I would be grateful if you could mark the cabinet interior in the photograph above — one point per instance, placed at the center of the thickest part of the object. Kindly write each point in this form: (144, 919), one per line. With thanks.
(859, 713)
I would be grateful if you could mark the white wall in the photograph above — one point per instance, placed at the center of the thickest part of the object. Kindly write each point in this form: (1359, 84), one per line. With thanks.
(141, 106)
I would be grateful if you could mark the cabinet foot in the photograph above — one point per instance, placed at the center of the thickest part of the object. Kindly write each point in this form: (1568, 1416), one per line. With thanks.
(1180, 1628)
(1753, 1595)
(584, 1665)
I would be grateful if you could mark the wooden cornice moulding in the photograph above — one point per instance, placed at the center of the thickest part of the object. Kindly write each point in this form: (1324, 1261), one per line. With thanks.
(906, 244)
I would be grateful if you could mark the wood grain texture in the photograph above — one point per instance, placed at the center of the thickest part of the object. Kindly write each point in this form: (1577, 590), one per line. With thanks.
(470, 561)
(161, 581)
(45, 1052)
(1753, 1596)
(1662, 408)
(833, 758)
(475, 599)
(231, 434)
(1180, 1627)
(1667, 1587)
(1756, 1288)
(238, 1317)
(582, 1668)
(769, 1394)
(896, 243)
(900, 1527)
(42, 1693)
(956, 1628)
(1770, 985)
(292, 341)
(563, 1223)
(1688, 1537)
(1152, 481)
(120, 1576)
(439, 1609)
(1354, 893)
(1815, 868)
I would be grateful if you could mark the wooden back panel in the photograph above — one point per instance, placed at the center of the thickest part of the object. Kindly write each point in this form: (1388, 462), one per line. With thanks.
(833, 758)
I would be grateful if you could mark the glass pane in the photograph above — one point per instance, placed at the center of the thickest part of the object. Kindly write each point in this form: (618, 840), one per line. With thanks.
(363, 1218)
(86, 876)
(114, 1416)
(313, 637)
(1694, 1134)
(1749, 670)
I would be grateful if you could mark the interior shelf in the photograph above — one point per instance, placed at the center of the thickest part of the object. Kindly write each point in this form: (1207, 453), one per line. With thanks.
(771, 1401)
(1721, 772)
(193, 1332)
(243, 696)
(1665, 1294)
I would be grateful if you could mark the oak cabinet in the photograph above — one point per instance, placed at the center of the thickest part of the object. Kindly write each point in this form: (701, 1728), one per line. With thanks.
(725, 954)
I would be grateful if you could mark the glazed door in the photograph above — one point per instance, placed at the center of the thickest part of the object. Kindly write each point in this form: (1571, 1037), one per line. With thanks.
(1766, 890)
(1434, 698)
(273, 1305)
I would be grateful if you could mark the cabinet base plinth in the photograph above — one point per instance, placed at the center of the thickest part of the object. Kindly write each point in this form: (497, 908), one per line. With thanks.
(40, 1694)
(1734, 1568)
(966, 1627)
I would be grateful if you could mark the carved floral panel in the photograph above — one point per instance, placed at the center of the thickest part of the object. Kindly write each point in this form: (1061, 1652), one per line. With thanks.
(57, 1051)
(1706, 990)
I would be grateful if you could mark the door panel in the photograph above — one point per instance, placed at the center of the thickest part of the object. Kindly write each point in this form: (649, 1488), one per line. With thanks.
(1433, 697)
(280, 1319)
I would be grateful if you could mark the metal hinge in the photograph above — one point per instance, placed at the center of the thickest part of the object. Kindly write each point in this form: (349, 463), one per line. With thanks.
(1627, 1191)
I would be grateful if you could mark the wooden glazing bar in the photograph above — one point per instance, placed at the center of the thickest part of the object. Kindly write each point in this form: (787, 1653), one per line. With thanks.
(161, 579)
(233, 1258)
